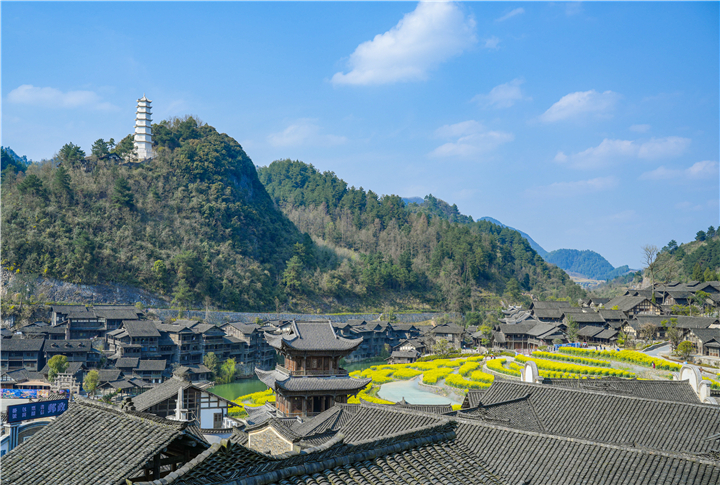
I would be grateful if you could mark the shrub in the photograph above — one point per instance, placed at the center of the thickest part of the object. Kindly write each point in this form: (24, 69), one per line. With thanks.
(456, 380)
(573, 368)
(630, 356)
(481, 376)
(497, 366)
(468, 367)
(432, 376)
(570, 358)
(404, 374)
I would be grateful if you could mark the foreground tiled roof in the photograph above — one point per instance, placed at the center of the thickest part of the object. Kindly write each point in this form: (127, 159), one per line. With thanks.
(662, 390)
(610, 418)
(92, 444)
(526, 457)
(427, 455)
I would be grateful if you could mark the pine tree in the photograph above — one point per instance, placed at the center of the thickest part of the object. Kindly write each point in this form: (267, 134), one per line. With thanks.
(122, 194)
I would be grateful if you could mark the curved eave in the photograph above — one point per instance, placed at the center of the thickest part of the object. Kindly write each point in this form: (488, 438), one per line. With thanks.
(324, 384)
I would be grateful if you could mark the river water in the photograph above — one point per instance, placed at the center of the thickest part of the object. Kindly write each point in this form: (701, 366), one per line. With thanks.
(248, 386)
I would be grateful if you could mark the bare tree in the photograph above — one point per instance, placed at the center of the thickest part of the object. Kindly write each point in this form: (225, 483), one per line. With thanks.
(650, 256)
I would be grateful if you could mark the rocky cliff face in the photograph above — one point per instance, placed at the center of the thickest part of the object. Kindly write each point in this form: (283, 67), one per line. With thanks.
(52, 290)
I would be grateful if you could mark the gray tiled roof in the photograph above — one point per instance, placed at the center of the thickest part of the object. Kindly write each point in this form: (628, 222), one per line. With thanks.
(311, 336)
(127, 362)
(548, 313)
(22, 344)
(68, 346)
(117, 313)
(661, 390)
(158, 394)
(92, 444)
(625, 303)
(589, 331)
(275, 378)
(612, 315)
(550, 304)
(107, 375)
(591, 317)
(527, 457)
(592, 415)
(426, 455)
(151, 365)
(405, 354)
(141, 328)
(707, 334)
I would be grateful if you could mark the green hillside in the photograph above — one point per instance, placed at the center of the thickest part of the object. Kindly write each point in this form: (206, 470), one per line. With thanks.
(403, 249)
(195, 223)
(698, 260)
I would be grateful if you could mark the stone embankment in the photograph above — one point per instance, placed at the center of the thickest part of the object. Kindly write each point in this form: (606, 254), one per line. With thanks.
(52, 290)
(218, 317)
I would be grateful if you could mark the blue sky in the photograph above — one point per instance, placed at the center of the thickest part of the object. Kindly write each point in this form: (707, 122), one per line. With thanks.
(586, 125)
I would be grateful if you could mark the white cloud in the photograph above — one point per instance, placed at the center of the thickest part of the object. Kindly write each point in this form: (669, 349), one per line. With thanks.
(640, 128)
(503, 95)
(670, 146)
(610, 152)
(304, 132)
(580, 103)
(492, 43)
(698, 171)
(576, 188)
(28, 94)
(510, 14)
(470, 139)
(431, 34)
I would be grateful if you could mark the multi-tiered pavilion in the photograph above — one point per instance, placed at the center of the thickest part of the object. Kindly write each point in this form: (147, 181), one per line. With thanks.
(143, 129)
(311, 379)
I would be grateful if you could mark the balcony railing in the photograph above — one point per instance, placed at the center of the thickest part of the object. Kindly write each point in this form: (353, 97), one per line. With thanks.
(312, 372)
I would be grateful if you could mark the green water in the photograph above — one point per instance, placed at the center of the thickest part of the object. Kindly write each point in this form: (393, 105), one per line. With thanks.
(248, 386)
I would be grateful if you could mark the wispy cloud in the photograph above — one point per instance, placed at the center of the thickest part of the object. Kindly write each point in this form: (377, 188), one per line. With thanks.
(304, 132)
(469, 139)
(503, 95)
(640, 128)
(492, 43)
(610, 152)
(705, 170)
(575, 188)
(510, 14)
(424, 38)
(580, 103)
(30, 95)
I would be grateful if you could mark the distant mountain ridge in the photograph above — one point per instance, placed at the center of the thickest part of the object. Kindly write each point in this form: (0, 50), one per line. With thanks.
(587, 263)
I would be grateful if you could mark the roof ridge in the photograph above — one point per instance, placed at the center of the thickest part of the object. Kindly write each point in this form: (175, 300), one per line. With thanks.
(605, 444)
(85, 402)
(354, 456)
(593, 391)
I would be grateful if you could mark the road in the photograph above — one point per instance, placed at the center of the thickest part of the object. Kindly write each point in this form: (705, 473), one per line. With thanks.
(665, 349)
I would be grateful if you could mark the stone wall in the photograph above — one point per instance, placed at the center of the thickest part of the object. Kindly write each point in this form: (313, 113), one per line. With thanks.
(219, 317)
(269, 440)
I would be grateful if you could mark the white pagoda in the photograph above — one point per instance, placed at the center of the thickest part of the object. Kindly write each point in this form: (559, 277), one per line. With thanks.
(143, 134)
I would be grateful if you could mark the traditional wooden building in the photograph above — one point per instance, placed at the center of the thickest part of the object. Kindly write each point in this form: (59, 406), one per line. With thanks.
(311, 379)
(206, 409)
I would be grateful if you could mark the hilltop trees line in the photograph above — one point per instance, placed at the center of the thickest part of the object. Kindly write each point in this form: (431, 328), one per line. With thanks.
(392, 247)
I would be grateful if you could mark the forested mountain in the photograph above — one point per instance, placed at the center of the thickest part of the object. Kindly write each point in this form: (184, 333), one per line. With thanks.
(698, 260)
(433, 206)
(194, 223)
(538, 249)
(588, 263)
(391, 247)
